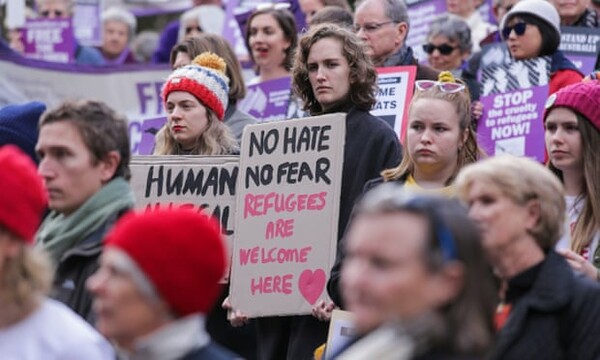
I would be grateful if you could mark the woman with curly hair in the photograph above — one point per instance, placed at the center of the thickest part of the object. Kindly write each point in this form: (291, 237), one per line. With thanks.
(195, 97)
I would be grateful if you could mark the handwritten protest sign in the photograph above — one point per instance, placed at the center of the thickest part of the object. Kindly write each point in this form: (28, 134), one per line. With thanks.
(133, 91)
(202, 183)
(49, 40)
(288, 206)
(580, 45)
(269, 100)
(513, 98)
(395, 89)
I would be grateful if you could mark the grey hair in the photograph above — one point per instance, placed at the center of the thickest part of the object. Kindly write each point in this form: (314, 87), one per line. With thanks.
(454, 28)
(123, 262)
(395, 10)
(191, 14)
(69, 3)
(119, 14)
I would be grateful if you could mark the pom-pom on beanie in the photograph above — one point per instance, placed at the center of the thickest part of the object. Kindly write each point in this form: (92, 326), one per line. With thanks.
(581, 97)
(180, 251)
(205, 79)
(23, 198)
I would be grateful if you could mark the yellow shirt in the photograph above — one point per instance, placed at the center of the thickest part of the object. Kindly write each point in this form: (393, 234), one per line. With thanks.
(411, 185)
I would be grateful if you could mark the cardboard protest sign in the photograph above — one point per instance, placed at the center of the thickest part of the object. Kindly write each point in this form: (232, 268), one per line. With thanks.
(49, 40)
(269, 100)
(287, 214)
(395, 90)
(341, 332)
(421, 13)
(133, 91)
(513, 96)
(201, 183)
(580, 45)
(86, 22)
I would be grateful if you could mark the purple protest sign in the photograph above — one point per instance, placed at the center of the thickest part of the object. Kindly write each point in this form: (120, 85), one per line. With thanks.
(269, 100)
(86, 22)
(421, 13)
(580, 45)
(513, 123)
(49, 40)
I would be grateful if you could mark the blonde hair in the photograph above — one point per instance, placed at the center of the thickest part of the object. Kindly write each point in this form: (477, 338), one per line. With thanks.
(24, 278)
(521, 180)
(217, 139)
(469, 153)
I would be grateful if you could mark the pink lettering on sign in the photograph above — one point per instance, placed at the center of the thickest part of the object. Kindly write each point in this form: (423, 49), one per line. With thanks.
(259, 205)
(280, 228)
(263, 255)
(272, 284)
(311, 284)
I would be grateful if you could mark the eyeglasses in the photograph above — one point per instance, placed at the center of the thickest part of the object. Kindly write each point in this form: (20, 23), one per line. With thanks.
(444, 49)
(446, 87)
(372, 27)
(56, 13)
(519, 28)
(272, 6)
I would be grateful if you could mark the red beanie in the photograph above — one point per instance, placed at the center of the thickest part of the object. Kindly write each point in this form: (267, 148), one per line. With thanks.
(582, 97)
(22, 193)
(180, 251)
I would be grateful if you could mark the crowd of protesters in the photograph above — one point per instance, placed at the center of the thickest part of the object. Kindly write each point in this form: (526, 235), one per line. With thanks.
(443, 252)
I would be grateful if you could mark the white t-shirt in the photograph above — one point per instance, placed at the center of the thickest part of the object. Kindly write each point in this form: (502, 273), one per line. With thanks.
(574, 208)
(53, 332)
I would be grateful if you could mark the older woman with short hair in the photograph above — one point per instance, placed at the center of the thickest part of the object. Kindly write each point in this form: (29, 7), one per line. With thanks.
(547, 312)
(119, 26)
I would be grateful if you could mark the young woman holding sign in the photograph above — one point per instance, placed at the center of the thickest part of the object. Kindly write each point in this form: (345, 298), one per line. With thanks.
(532, 29)
(332, 73)
(439, 142)
(572, 122)
(196, 97)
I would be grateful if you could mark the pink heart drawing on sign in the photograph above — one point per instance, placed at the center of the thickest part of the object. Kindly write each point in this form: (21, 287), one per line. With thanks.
(311, 284)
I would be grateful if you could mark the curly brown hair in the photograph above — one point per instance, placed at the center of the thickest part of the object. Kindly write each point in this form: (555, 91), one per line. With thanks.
(363, 77)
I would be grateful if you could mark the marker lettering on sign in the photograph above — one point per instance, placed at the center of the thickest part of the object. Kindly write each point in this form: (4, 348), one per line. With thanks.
(272, 284)
(265, 143)
(261, 255)
(218, 180)
(313, 138)
(261, 204)
(288, 173)
(222, 213)
(281, 228)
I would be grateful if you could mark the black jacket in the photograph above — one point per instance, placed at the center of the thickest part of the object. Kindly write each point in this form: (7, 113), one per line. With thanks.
(559, 318)
(76, 266)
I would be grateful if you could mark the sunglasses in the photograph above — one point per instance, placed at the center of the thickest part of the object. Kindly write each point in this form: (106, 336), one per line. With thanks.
(519, 29)
(445, 87)
(56, 13)
(189, 29)
(444, 49)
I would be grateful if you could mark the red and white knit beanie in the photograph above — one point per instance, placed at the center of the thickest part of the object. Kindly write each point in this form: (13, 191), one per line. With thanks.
(205, 79)
(180, 251)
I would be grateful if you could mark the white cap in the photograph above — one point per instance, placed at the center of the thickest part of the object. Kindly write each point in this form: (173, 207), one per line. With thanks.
(541, 9)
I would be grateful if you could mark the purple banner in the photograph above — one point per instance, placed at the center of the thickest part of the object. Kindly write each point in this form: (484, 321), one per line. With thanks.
(86, 22)
(580, 45)
(49, 40)
(421, 14)
(513, 123)
(269, 100)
